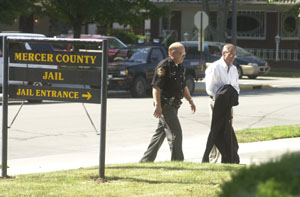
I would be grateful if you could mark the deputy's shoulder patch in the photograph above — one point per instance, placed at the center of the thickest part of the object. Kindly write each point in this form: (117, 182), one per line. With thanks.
(161, 72)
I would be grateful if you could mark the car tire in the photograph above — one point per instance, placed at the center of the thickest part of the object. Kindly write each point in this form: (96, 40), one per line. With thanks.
(190, 82)
(35, 84)
(240, 71)
(139, 87)
(252, 76)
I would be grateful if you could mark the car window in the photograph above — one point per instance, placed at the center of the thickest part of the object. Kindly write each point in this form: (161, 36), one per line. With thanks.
(26, 46)
(242, 52)
(84, 46)
(156, 55)
(31, 46)
(16, 46)
(114, 44)
(139, 55)
(121, 55)
(41, 47)
(214, 50)
(192, 52)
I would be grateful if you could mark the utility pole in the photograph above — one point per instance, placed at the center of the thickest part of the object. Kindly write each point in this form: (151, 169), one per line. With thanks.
(234, 23)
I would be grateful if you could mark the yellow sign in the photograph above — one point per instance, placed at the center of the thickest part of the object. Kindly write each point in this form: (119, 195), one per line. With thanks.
(65, 94)
(88, 96)
(56, 58)
(50, 58)
(54, 93)
(55, 76)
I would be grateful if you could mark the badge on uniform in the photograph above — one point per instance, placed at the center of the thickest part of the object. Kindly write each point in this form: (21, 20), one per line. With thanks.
(161, 72)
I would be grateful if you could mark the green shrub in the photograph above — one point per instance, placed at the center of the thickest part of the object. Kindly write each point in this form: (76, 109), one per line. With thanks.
(277, 178)
(126, 37)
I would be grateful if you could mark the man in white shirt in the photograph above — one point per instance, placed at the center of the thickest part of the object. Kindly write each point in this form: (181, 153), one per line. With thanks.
(218, 74)
(222, 72)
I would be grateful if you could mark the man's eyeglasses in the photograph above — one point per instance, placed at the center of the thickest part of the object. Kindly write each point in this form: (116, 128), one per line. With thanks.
(181, 54)
(231, 54)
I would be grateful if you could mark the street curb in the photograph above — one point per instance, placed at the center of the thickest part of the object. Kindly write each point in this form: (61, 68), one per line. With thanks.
(255, 86)
(199, 90)
(244, 87)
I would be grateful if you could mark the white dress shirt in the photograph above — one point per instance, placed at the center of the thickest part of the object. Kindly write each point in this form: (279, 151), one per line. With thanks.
(218, 75)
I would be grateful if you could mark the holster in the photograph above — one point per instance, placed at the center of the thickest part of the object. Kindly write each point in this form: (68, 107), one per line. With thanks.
(174, 102)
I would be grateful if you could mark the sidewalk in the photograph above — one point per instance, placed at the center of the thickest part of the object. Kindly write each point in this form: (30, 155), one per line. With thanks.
(250, 153)
(244, 84)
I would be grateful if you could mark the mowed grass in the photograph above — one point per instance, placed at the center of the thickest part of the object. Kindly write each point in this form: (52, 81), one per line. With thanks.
(268, 133)
(141, 179)
(284, 72)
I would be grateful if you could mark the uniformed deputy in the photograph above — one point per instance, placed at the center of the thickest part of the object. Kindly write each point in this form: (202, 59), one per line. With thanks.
(168, 88)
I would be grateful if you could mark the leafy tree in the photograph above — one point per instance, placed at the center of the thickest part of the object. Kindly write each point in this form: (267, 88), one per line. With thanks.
(80, 12)
(22, 9)
(8, 11)
(295, 10)
(137, 11)
(125, 12)
(29, 9)
(76, 13)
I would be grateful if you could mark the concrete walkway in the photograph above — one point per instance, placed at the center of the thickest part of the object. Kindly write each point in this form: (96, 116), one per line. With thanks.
(250, 153)
(244, 84)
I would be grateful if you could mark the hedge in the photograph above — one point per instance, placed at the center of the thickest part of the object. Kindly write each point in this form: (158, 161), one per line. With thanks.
(276, 178)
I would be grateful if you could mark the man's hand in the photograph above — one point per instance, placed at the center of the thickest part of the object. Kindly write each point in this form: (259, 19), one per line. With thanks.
(188, 97)
(157, 112)
(193, 106)
(157, 103)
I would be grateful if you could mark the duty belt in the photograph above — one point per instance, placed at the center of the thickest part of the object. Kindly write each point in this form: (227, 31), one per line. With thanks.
(172, 101)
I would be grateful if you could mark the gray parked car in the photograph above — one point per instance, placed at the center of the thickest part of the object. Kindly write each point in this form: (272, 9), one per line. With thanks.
(247, 64)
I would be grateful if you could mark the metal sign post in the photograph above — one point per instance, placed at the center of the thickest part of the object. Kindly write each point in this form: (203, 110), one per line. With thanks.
(234, 23)
(4, 108)
(103, 110)
(201, 22)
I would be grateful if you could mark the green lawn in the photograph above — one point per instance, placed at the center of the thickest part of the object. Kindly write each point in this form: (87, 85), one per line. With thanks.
(284, 72)
(268, 133)
(140, 179)
(146, 179)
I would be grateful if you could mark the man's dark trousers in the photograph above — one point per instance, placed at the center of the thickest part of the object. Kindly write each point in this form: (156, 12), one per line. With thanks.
(168, 126)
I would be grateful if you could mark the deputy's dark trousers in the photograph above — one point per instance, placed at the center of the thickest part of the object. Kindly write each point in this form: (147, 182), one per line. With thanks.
(168, 126)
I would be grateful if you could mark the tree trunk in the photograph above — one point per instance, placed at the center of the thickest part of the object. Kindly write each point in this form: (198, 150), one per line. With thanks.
(26, 24)
(222, 20)
(211, 29)
(76, 33)
(108, 28)
(218, 32)
(77, 29)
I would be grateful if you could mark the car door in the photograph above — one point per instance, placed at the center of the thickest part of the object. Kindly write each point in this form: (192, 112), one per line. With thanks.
(155, 57)
(193, 62)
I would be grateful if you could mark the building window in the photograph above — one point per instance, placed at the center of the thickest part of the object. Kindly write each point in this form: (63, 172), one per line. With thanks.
(290, 27)
(250, 25)
(164, 24)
